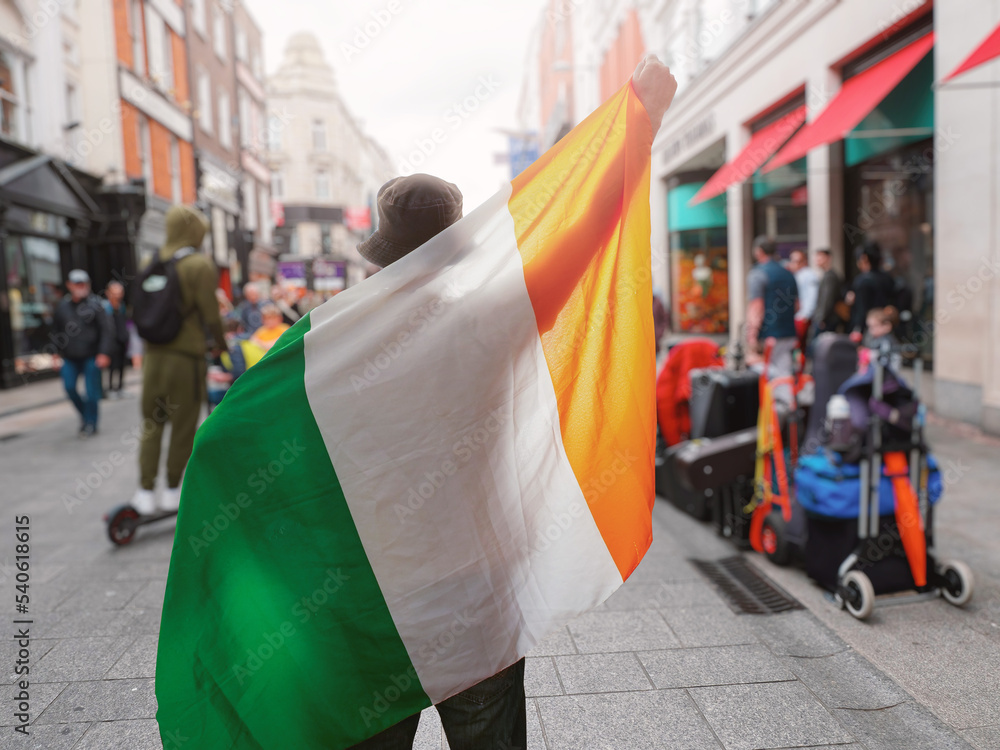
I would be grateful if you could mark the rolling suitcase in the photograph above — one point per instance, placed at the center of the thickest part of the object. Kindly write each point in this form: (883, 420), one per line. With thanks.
(711, 475)
(723, 401)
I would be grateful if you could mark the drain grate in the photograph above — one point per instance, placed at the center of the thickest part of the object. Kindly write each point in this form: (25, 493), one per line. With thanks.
(745, 589)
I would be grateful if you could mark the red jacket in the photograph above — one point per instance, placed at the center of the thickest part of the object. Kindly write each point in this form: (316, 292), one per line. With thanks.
(673, 386)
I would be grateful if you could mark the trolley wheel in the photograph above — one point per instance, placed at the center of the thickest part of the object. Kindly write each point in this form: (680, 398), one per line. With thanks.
(858, 594)
(122, 526)
(959, 582)
(774, 539)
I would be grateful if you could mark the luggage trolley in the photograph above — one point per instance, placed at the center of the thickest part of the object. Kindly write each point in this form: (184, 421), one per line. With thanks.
(895, 555)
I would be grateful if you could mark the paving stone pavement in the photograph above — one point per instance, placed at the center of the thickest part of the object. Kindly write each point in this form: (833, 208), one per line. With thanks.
(665, 663)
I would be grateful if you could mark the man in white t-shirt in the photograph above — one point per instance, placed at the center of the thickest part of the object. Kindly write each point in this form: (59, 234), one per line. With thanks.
(807, 280)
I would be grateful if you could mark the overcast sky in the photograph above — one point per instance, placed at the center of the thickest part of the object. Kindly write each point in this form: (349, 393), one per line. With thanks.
(450, 66)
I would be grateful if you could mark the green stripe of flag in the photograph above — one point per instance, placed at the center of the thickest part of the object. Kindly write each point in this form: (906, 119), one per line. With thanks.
(271, 607)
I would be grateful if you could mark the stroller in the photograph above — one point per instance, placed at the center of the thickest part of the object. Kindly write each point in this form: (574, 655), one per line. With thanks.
(867, 504)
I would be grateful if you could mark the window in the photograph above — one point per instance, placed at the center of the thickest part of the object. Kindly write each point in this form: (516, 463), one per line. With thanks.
(319, 135)
(219, 32)
(135, 30)
(278, 185)
(225, 121)
(322, 185)
(243, 106)
(146, 153)
(241, 46)
(250, 203)
(204, 101)
(257, 66)
(198, 16)
(8, 96)
(175, 171)
(274, 133)
(159, 51)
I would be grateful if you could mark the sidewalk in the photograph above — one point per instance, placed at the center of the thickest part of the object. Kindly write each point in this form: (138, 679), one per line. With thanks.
(666, 663)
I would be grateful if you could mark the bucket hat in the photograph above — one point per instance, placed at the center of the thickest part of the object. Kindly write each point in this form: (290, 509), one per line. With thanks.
(411, 210)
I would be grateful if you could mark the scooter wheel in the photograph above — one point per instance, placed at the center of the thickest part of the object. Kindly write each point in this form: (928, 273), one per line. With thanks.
(122, 526)
(859, 594)
(959, 582)
(774, 539)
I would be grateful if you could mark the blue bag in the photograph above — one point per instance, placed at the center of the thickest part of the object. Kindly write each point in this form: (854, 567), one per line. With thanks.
(827, 486)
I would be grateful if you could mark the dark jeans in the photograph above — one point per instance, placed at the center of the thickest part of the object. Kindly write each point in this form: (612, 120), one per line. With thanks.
(487, 716)
(117, 366)
(72, 369)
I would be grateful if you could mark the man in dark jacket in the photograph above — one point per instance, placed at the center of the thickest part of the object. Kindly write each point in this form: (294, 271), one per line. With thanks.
(173, 374)
(825, 316)
(83, 336)
(872, 288)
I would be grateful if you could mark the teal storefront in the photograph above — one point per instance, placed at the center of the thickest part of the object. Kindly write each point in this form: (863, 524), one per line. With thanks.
(699, 260)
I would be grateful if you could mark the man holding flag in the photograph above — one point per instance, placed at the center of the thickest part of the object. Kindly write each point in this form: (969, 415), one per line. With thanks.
(461, 462)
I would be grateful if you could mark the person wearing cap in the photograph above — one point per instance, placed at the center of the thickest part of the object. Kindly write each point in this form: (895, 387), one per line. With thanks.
(491, 714)
(412, 210)
(84, 338)
(173, 376)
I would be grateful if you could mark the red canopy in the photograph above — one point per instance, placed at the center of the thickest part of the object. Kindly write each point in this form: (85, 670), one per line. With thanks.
(983, 53)
(855, 101)
(763, 144)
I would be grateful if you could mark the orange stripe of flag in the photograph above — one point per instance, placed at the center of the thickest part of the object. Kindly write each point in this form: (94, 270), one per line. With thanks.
(581, 217)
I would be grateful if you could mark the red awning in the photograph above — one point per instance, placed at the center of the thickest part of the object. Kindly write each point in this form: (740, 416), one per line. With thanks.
(855, 101)
(983, 53)
(763, 144)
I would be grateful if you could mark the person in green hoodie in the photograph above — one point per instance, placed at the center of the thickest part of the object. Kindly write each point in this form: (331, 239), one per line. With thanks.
(173, 383)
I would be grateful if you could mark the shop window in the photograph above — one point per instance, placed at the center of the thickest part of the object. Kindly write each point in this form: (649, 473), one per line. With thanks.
(34, 289)
(699, 261)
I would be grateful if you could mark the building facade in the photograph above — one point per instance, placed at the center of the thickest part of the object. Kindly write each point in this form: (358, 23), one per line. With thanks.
(325, 170)
(212, 71)
(760, 141)
(255, 244)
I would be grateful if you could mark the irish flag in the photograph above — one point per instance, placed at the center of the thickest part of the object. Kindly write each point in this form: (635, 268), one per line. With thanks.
(428, 473)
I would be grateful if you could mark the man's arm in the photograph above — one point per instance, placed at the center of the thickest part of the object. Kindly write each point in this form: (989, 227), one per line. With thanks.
(755, 308)
(107, 331)
(206, 279)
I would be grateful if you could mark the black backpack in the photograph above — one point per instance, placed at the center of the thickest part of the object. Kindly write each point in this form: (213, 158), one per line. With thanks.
(156, 300)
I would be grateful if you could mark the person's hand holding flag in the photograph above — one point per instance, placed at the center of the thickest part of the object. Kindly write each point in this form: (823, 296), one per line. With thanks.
(655, 86)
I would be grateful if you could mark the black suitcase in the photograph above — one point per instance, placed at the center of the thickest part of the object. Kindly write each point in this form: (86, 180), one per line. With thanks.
(710, 463)
(835, 359)
(723, 401)
(669, 486)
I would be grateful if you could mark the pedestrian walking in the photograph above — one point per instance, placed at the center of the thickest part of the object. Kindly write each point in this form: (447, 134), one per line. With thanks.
(173, 383)
(114, 306)
(825, 316)
(807, 282)
(872, 288)
(84, 339)
(774, 300)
